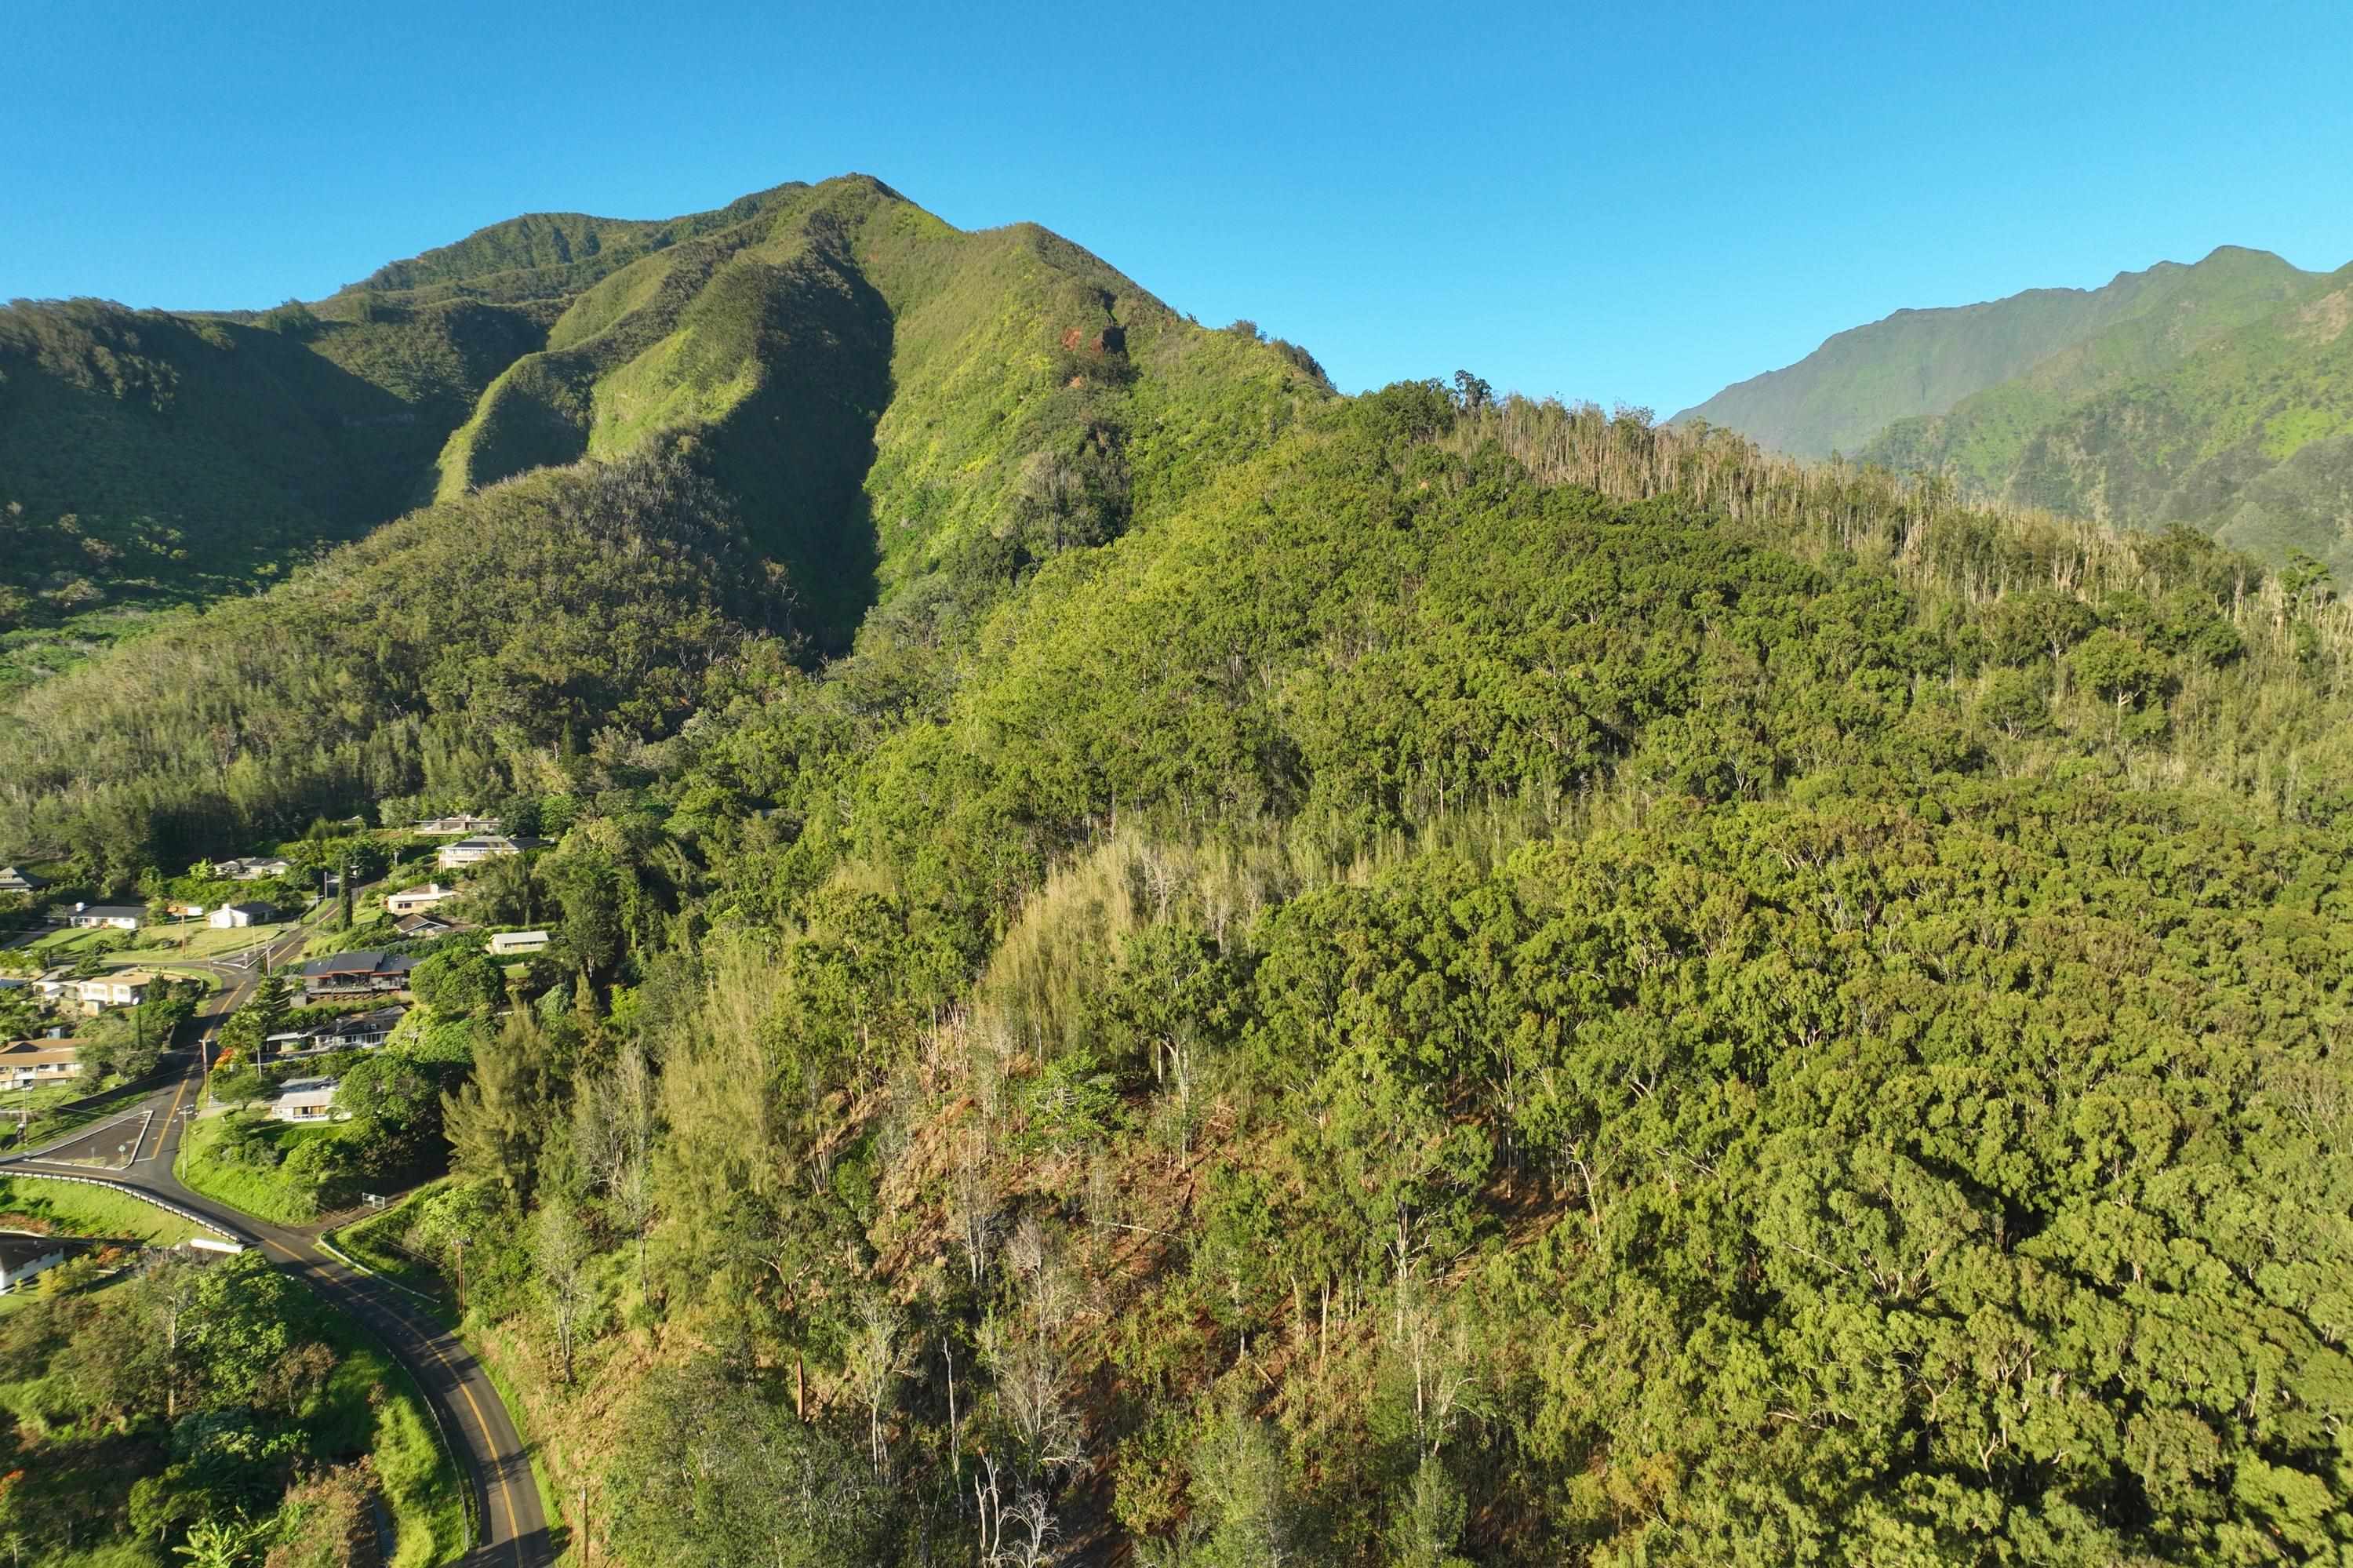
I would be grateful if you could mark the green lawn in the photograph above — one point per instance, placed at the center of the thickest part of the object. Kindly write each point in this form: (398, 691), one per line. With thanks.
(81, 1210)
(39, 1100)
(59, 945)
(195, 939)
(268, 1194)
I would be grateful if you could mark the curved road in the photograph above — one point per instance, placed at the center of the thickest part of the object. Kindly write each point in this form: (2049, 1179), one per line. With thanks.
(513, 1530)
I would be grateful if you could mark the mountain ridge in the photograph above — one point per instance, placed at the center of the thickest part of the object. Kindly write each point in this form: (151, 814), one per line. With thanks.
(550, 337)
(1914, 362)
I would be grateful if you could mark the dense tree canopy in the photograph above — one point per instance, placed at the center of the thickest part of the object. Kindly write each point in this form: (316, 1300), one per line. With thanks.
(1467, 981)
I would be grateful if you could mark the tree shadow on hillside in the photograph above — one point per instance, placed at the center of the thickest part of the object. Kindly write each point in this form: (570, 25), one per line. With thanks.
(795, 455)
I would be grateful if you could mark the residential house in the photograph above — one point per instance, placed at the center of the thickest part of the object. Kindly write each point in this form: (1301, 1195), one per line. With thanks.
(237, 916)
(507, 944)
(348, 975)
(29, 1064)
(15, 881)
(55, 985)
(307, 1099)
(256, 868)
(463, 825)
(423, 927)
(23, 1256)
(414, 900)
(361, 1031)
(474, 852)
(124, 988)
(121, 917)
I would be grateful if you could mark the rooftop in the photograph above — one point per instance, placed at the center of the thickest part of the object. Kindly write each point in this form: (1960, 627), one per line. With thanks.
(361, 963)
(32, 1053)
(17, 1250)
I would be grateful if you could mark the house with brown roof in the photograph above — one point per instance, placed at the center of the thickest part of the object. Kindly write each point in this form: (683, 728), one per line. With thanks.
(28, 1064)
(347, 975)
(124, 988)
(464, 824)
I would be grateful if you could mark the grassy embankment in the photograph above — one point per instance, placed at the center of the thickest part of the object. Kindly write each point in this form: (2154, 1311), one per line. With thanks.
(421, 1488)
(30, 1203)
(265, 1191)
(374, 1243)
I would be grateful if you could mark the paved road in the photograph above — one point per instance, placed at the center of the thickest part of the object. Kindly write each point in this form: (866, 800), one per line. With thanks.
(514, 1528)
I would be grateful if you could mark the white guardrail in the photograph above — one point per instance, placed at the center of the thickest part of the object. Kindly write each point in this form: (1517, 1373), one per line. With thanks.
(238, 1242)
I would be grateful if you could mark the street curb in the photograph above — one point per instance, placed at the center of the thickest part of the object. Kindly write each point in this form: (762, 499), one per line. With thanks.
(356, 1266)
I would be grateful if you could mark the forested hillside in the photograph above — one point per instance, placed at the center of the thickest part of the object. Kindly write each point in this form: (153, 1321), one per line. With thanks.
(2247, 434)
(1157, 965)
(2210, 397)
(149, 459)
(1921, 363)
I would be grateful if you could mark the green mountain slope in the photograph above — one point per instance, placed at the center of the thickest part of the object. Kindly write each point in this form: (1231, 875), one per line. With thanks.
(890, 410)
(148, 458)
(1354, 980)
(842, 350)
(1924, 362)
(2242, 433)
(2250, 438)
(878, 392)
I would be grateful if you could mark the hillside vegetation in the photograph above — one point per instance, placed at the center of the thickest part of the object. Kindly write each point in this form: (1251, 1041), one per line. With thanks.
(1270, 978)
(2211, 396)
(1921, 363)
(150, 461)
(2247, 433)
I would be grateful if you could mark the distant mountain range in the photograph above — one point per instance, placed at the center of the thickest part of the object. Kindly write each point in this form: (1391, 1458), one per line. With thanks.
(2218, 395)
(841, 355)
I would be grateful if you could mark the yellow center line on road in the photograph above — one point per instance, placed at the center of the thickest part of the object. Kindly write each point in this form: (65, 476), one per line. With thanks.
(506, 1501)
(166, 1126)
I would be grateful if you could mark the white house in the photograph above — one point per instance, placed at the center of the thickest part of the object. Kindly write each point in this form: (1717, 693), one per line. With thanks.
(121, 917)
(306, 1100)
(23, 1256)
(506, 944)
(237, 916)
(253, 869)
(415, 900)
(124, 988)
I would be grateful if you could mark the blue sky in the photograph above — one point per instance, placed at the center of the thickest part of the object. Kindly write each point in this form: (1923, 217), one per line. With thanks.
(1631, 204)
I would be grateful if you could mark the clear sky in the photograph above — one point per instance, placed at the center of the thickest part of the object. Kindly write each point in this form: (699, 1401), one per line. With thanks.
(1631, 203)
